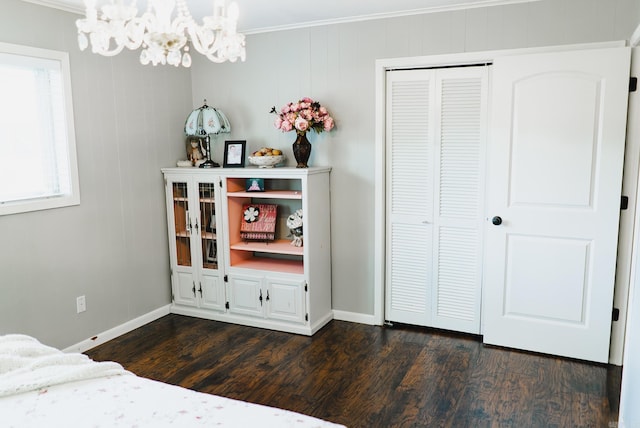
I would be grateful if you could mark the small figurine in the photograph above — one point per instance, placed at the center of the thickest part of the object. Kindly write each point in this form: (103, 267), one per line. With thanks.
(194, 152)
(294, 223)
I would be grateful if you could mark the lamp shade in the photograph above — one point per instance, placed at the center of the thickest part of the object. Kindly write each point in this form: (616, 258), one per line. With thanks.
(206, 120)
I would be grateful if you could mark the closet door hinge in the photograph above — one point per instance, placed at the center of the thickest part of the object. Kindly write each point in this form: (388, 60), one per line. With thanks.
(226, 278)
(226, 305)
(624, 202)
(306, 317)
(633, 84)
(615, 316)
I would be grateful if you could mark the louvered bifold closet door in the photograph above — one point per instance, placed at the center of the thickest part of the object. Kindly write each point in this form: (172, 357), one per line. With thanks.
(461, 95)
(435, 139)
(409, 190)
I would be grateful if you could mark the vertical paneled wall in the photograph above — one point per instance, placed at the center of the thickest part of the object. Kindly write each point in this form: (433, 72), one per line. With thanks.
(335, 65)
(112, 248)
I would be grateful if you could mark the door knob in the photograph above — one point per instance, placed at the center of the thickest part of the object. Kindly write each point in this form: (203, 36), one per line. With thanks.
(497, 220)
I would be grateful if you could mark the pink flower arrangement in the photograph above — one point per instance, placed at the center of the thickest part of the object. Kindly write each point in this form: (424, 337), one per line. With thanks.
(303, 116)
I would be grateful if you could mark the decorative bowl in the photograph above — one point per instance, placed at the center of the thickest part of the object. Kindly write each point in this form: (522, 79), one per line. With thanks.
(266, 161)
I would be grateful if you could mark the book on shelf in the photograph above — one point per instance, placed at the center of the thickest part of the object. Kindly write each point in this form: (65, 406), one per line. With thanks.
(259, 222)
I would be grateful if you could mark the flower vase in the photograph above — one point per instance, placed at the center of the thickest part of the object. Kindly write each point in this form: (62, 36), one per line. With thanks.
(301, 150)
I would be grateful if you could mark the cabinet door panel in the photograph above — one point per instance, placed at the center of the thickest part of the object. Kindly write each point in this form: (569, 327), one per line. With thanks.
(212, 296)
(245, 296)
(179, 207)
(184, 289)
(207, 223)
(285, 300)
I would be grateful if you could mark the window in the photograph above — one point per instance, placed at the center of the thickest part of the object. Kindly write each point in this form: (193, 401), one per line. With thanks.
(38, 167)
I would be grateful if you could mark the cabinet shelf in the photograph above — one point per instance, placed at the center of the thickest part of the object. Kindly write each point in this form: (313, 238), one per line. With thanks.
(209, 235)
(271, 265)
(269, 194)
(280, 246)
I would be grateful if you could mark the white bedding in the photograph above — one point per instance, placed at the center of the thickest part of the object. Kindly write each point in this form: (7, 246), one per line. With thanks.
(43, 387)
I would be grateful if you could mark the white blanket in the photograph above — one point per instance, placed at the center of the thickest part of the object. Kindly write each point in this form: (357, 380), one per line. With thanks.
(43, 387)
(27, 365)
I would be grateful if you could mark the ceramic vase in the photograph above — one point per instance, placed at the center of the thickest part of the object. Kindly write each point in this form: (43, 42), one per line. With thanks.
(301, 150)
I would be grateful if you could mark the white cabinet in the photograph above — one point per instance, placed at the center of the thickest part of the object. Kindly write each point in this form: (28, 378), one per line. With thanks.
(219, 273)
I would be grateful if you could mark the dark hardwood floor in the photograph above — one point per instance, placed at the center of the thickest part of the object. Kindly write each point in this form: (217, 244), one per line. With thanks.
(367, 376)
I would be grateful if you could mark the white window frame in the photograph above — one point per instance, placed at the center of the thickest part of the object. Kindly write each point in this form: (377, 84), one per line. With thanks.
(71, 194)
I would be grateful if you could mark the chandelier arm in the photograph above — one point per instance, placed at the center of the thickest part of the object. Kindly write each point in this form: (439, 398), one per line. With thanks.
(162, 38)
(204, 40)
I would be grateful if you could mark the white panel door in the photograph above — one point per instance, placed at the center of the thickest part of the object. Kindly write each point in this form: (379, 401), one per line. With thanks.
(554, 181)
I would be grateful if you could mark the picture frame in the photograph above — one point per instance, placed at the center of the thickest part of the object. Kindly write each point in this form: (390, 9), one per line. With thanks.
(254, 184)
(211, 227)
(234, 153)
(258, 222)
(212, 252)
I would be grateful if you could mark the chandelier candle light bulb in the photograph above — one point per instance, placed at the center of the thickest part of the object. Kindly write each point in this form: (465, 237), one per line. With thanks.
(163, 40)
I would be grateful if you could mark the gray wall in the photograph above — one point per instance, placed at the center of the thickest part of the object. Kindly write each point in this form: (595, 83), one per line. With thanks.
(335, 65)
(113, 246)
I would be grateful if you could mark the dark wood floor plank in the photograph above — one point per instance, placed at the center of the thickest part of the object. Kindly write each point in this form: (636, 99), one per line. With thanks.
(367, 376)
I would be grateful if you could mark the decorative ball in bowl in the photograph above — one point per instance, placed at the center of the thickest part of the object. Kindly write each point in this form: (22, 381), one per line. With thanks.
(266, 157)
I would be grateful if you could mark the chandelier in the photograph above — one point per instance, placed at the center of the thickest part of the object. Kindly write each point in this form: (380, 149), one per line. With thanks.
(163, 40)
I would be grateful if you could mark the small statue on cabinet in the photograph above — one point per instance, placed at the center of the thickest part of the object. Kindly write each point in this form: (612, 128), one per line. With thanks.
(294, 223)
(194, 151)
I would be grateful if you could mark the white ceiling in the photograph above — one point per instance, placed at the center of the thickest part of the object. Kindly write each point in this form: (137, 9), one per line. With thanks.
(270, 15)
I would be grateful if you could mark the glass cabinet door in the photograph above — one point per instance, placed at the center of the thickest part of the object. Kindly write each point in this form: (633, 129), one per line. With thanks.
(208, 232)
(182, 223)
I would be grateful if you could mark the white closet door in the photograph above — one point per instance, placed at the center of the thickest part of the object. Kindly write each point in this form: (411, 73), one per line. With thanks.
(458, 220)
(435, 153)
(410, 141)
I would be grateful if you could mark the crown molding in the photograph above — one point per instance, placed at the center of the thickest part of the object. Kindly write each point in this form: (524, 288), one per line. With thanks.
(75, 6)
(395, 14)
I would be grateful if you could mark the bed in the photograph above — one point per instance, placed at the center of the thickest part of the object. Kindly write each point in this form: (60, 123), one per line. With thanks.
(41, 386)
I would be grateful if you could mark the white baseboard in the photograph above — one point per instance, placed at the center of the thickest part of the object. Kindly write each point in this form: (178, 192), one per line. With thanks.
(106, 336)
(112, 333)
(353, 317)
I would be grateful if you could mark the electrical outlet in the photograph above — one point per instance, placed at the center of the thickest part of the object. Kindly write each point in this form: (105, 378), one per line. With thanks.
(81, 304)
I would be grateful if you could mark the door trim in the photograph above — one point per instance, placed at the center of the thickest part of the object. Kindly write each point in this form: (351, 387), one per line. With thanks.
(448, 60)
